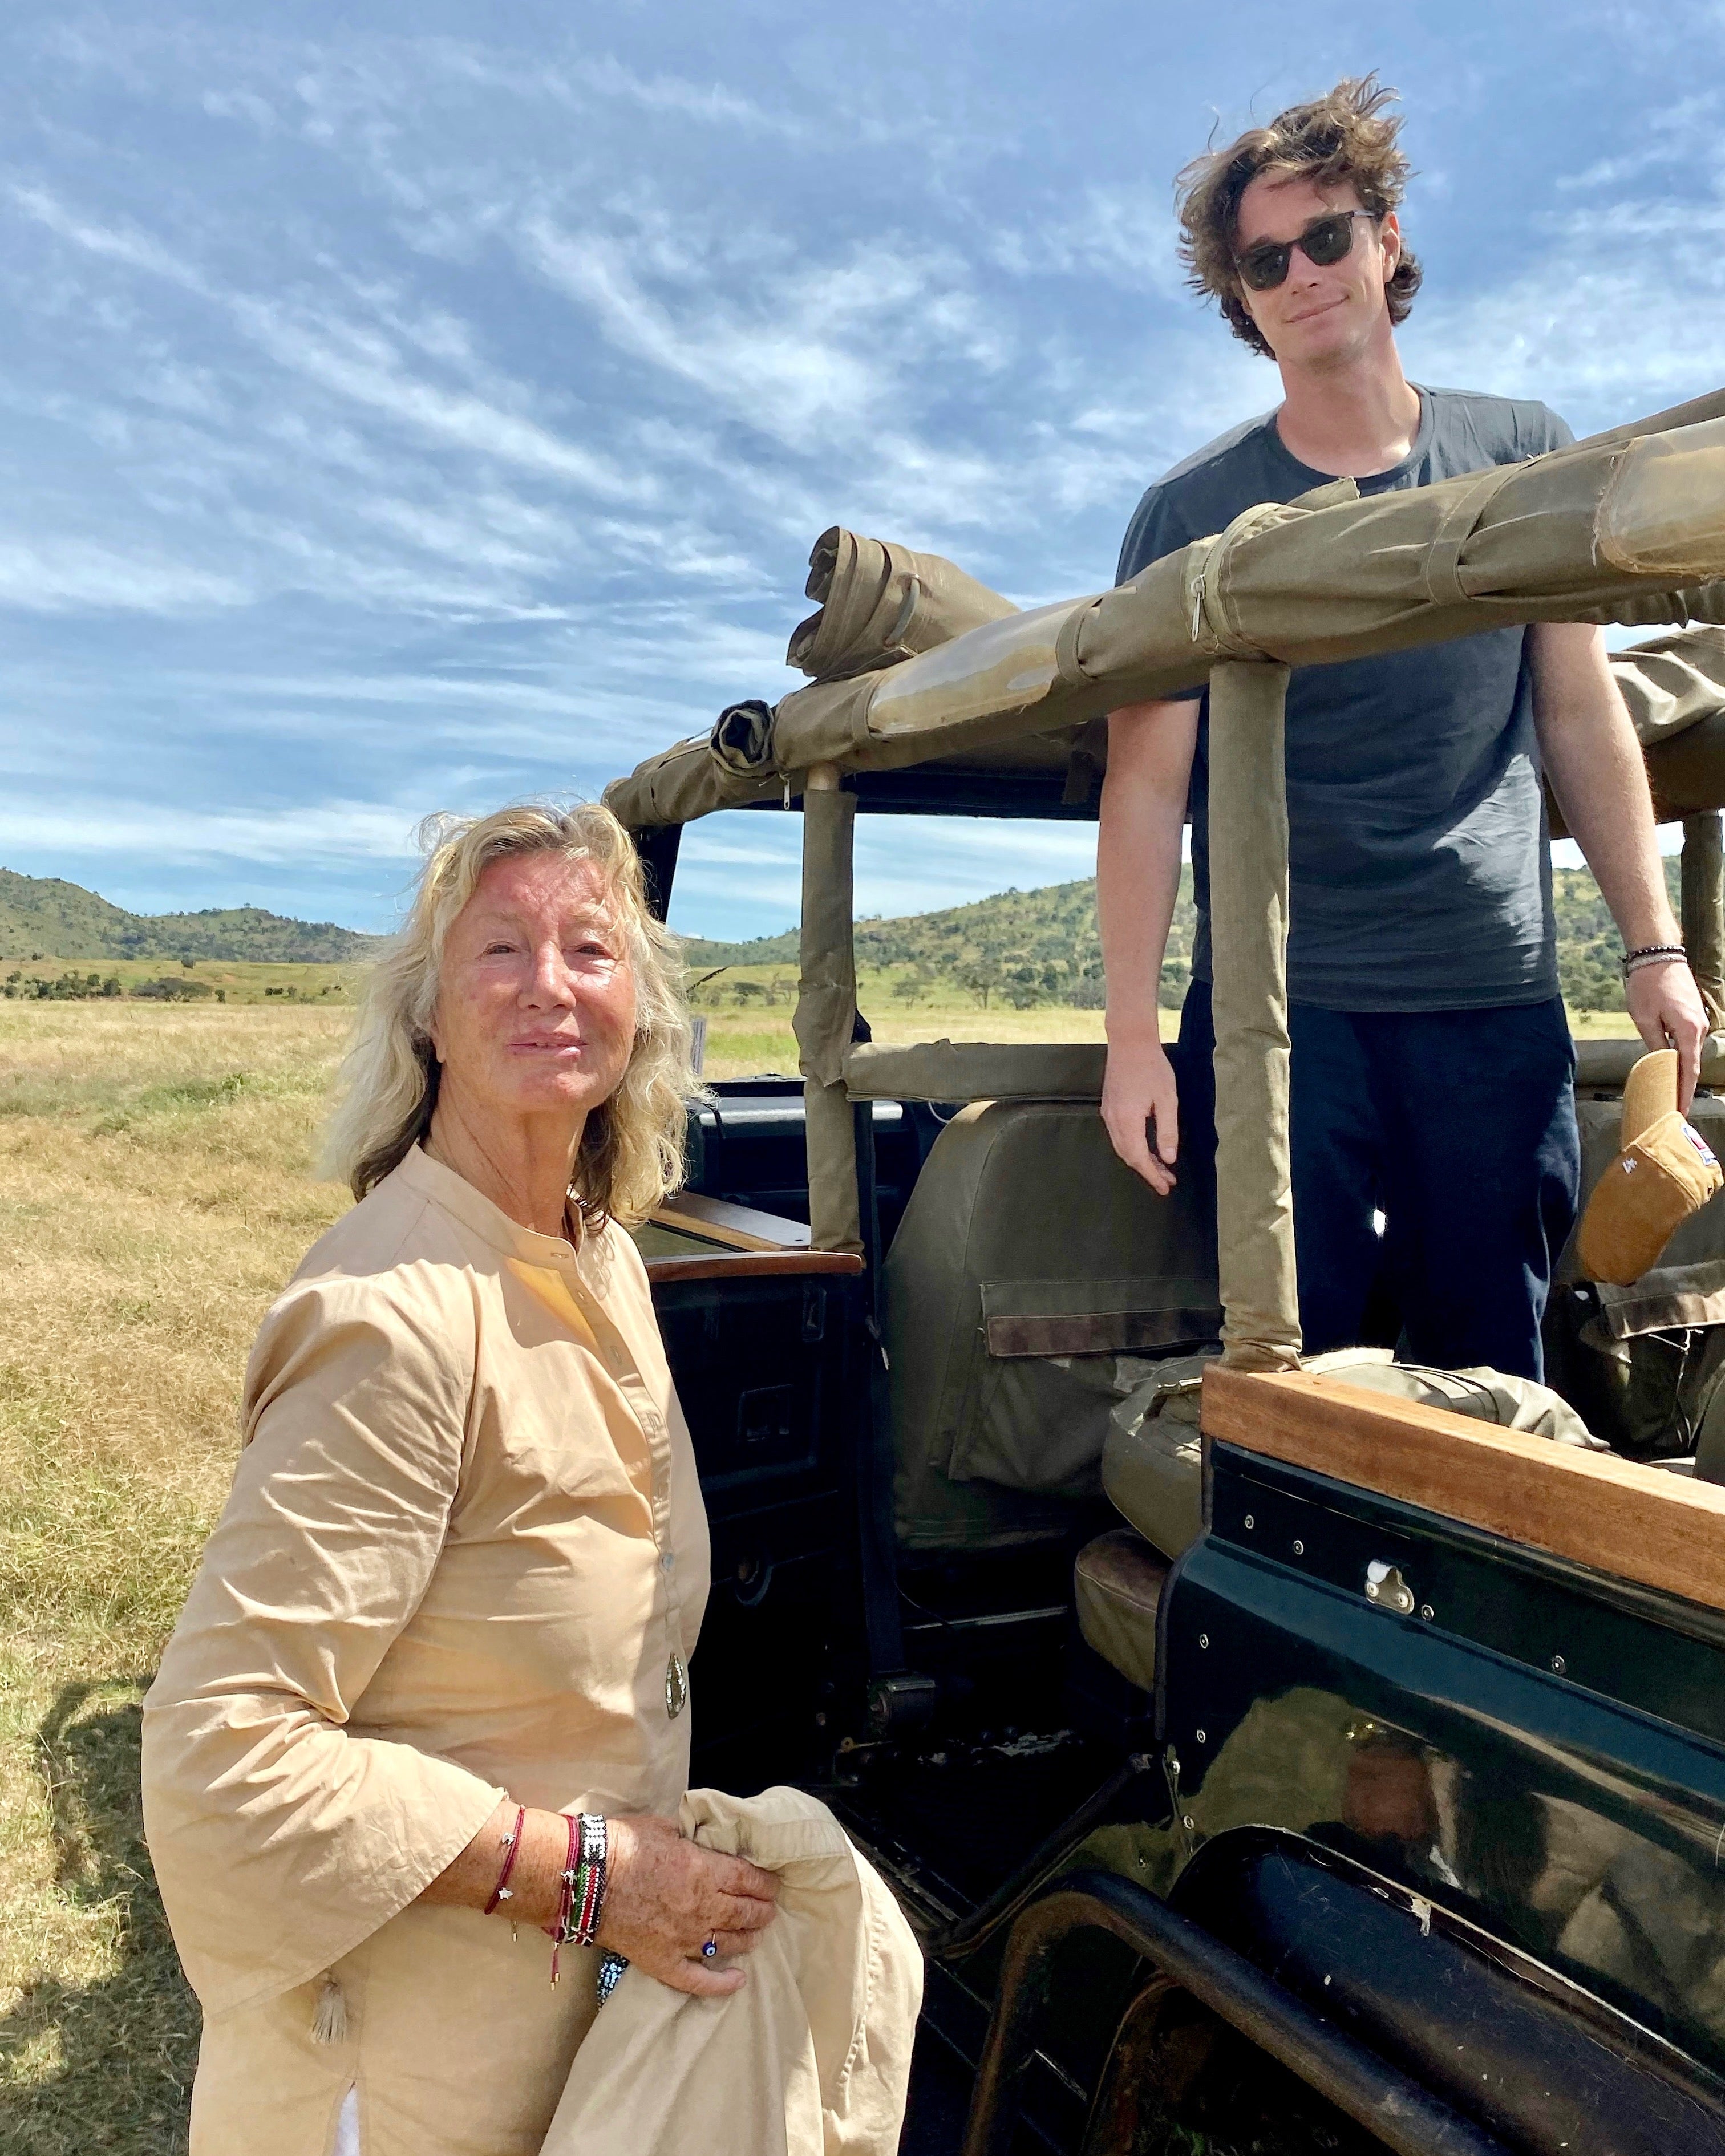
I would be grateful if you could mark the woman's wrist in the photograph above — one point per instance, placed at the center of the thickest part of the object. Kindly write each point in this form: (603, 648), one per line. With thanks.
(539, 1870)
(536, 1860)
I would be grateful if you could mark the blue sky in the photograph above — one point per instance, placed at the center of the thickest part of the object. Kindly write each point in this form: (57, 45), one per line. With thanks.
(400, 421)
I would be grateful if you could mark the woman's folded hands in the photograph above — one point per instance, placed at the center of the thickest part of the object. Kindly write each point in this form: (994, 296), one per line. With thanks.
(666, 1899)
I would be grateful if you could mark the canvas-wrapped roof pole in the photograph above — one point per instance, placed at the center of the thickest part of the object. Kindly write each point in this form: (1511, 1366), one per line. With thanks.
(1627, 527)
(826, 1011)
(1703, 868)
(1248, 947)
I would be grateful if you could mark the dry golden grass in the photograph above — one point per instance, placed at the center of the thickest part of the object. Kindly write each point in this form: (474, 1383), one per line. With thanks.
(740, 1042)
(235, 981)
(154, 1194)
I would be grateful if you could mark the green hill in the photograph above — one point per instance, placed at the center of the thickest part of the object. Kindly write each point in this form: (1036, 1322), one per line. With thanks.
(1024, 947)
(1040, 946)
(45, 917)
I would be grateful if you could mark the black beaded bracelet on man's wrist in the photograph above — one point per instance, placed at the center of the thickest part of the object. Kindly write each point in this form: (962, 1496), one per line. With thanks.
(1652, 954)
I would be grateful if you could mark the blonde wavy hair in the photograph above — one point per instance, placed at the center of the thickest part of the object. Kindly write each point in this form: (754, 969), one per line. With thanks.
(631, 1151)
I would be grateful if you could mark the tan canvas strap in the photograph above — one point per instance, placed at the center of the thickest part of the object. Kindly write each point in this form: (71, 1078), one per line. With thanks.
(1442, 567)
(1214, 628)
(1215, 617)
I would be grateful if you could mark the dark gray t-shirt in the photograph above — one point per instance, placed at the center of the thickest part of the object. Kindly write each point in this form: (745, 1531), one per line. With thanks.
(1419, 870)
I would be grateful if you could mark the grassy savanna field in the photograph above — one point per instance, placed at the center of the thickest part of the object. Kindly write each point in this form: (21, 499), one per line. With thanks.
(750, 1033)
(212, 980)
(155, 1192)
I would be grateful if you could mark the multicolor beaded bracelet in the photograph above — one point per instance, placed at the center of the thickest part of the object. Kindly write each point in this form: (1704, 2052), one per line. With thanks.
(581, 1900)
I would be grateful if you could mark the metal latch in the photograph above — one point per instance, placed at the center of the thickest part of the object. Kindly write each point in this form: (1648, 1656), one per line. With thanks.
(1385, 1586)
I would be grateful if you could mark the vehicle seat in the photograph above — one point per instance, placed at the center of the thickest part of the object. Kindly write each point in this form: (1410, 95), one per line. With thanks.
(1117, 1583)
(1033, 1282)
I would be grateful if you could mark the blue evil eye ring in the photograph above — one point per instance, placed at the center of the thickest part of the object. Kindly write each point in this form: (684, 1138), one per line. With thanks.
(710, 1952)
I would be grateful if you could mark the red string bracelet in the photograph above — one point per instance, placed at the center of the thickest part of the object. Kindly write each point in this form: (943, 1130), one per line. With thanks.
(511, 1846)
(565, 1897)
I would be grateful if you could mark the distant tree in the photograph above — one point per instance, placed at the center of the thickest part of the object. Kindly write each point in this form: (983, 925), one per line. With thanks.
(747, 991)
(907, 988)
(188, 963)
(981, 977)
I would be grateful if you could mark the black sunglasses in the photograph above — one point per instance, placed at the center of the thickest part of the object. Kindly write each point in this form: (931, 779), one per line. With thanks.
(1326, 240)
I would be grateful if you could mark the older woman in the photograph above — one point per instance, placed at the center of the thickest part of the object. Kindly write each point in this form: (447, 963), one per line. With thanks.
(427, 1701)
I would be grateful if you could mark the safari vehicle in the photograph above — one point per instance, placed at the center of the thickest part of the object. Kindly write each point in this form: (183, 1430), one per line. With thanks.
(1359, 1781)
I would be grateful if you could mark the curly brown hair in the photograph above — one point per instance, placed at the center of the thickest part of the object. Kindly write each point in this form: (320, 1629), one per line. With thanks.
(1340, 137)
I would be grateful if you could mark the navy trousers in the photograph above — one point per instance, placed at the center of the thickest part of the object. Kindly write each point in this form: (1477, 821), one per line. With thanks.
(1459, 1128)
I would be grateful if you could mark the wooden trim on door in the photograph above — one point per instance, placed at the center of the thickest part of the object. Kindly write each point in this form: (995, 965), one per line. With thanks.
(1640, 1523)
(751, 1265)
(737, 1227)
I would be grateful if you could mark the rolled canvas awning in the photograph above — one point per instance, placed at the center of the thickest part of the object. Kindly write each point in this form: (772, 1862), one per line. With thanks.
(881, 603)
(1628, 527)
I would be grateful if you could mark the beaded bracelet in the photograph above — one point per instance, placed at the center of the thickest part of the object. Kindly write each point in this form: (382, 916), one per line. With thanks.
(503, 1892)
(567, 1879)
(1652, 954)
(595, 1861)
(582, 1897)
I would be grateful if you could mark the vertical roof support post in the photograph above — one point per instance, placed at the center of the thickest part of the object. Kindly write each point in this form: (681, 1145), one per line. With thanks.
(1704, 867)
(826, 1010)
(1249, 931)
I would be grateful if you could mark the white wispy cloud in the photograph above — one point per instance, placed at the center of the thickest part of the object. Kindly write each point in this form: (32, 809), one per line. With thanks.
(306, 836)
(809, 352)
(63, 575)
(360, 365)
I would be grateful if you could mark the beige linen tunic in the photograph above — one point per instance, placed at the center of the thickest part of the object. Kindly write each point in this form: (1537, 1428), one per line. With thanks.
(465, 1545)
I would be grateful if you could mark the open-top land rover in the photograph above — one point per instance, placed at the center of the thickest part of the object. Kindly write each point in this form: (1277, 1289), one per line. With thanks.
(1268, 1756)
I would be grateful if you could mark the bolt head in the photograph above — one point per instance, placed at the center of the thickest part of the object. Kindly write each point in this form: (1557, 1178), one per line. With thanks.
(1426, 1612)
(1203, 1639)
(1200, 1736)
(1557, 1665)
(1188, 1823)
(1251, 1523)
(1299, 1548)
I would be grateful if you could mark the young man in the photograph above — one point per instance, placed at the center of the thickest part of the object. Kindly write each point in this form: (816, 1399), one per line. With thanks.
(1432, 1074)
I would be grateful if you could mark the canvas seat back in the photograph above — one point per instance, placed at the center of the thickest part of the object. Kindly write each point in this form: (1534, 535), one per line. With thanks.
(1034, 1280)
